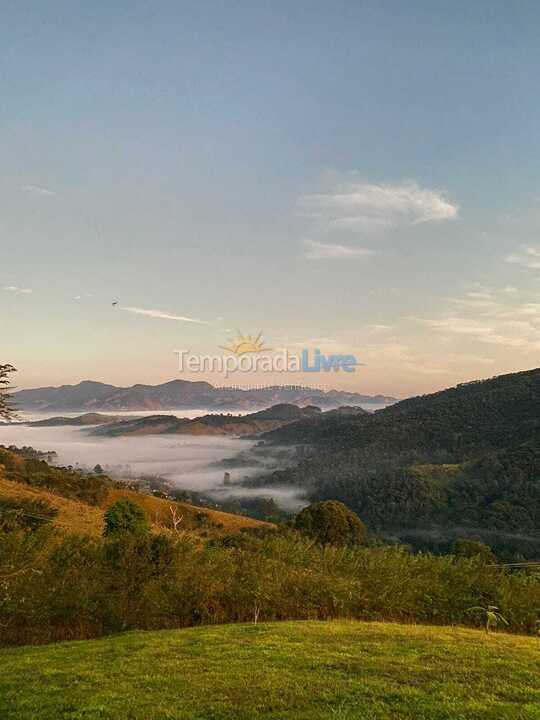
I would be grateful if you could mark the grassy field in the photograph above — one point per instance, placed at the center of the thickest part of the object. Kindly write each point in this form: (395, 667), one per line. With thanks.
(302, 670)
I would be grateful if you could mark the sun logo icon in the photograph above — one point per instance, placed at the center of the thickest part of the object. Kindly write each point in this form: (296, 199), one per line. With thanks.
(245, 344)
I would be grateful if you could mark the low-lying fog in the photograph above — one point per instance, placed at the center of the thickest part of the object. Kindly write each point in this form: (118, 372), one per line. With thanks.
(187, 462)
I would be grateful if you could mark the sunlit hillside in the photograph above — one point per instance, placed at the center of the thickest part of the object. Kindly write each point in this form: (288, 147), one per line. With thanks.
(77, 516)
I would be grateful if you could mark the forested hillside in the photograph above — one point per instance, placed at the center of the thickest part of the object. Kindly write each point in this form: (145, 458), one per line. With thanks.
(467, 458)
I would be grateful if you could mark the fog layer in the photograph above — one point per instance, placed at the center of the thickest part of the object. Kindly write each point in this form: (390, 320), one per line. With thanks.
(187, 462)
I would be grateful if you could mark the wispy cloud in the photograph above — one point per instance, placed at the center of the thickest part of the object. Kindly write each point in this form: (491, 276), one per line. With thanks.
(321, 251)
(493, 317)
(18, 290)
(528, 257)
(37, 190)
(477, 299)
(478, 330)
(365, 207)
(160, 314)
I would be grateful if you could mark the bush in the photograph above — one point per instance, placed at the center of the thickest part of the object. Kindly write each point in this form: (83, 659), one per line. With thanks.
(125, 516)
(65, 588)
(331, 523)
(463, 547)
(18, 513)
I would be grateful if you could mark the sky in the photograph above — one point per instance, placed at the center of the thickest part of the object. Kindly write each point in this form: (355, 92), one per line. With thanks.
(358, 177)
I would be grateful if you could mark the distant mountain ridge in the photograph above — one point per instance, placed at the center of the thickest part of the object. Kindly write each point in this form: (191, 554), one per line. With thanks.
(93, 396)
(214, 424)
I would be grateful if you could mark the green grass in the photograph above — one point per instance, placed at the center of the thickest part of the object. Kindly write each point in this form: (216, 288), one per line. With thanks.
(300, 670)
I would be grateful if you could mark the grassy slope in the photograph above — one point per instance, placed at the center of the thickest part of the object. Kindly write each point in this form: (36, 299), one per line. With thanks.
(297, 670)
(78, 517)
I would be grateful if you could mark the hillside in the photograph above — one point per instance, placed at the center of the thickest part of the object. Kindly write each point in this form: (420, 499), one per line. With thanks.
(463, 420)
(285, 671)
(87, 419)
(462, 461)
(84, 515)
(218, 424)
(180, 395)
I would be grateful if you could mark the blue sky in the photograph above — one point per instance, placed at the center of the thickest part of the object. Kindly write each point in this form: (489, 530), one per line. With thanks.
(356, 176)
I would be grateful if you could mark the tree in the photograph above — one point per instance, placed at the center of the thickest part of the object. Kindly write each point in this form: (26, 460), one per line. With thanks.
(125, 516)
(6, 411)
(331, 523)
(464, 547)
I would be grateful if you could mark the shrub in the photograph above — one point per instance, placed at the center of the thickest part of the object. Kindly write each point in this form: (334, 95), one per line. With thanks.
(125, 516)
(464, 547)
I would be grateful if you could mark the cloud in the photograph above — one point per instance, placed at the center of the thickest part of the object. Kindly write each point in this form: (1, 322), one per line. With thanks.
(322, 251)
(18, 290)
(460, 326)
(36, 190)
(475, 301)
(365, 207)
(163, 315)
(502, 317)
(491, 334)
(527, 257)
(394, 354)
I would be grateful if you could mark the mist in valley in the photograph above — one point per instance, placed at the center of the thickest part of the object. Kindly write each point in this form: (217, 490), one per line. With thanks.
(191, 463)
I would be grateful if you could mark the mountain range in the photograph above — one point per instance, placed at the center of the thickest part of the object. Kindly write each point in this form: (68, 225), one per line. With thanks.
(93, 396)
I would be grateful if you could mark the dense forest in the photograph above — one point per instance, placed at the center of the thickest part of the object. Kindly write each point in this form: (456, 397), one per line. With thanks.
(461, 461)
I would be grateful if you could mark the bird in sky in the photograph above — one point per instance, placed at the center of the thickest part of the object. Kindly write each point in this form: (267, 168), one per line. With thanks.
(115, 303)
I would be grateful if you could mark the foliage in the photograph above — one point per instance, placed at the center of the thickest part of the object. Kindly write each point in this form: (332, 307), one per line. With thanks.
(461, 462)
(25, 467)
(474, 549)
(6, 411)
(331, 523)
(75, 588)
(20, 514)
(125, 516)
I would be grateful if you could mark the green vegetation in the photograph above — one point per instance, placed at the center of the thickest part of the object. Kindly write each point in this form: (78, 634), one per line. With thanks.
(23, 467)
(462, 462)
(6, 411)
(17, 514)
(474, 549)
(331, 523)
(57, 587)
(125, 516)
(80, 498)
(280, 671)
